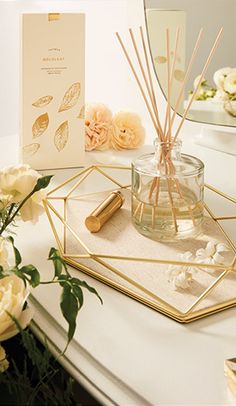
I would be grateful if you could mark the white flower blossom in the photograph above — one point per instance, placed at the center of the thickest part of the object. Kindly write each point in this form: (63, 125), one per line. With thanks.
(13, 295)
(230, 82)
(181, 276)
(220, 75)
(6, 254)
(16, 183)
(212, 254)
(221, 96)
(196, 82)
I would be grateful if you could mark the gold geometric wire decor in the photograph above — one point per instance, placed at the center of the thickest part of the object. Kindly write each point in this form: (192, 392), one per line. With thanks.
(119, 256)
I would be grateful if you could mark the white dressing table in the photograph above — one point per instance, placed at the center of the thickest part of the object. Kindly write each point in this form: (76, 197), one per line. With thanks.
(123, 352)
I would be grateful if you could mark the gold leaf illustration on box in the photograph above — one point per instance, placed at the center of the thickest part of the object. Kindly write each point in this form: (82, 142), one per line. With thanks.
(61, 136)
(160, 59)
(81, 113)
(30, 149)
(43, 101)
(40, 125)
(179, 75)
(70, 97)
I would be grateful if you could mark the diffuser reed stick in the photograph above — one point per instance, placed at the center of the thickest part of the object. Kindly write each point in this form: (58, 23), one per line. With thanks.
(139, 83)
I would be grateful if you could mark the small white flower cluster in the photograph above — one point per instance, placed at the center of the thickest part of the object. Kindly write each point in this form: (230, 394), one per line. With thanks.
(181, 276)
(225, 90)
(204, 91)
(225, 80)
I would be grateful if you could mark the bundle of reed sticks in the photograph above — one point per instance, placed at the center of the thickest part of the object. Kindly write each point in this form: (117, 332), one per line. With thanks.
(164, 129)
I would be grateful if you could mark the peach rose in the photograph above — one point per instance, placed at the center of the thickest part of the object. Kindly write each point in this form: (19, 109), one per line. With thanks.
(127, 131)
(97, 127)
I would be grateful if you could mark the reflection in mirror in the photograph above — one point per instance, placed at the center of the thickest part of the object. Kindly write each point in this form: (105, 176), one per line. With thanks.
(215, 101)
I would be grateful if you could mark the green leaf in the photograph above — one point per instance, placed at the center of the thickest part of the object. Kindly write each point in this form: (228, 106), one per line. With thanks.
(33, 273)
(18, 258)
(53, 251)
(79, 294)
(20, 275)
(64, 280)
(2, 273)
(69, 308)
(57, 267)
(58, 262)
(42, 183)
(84, 284)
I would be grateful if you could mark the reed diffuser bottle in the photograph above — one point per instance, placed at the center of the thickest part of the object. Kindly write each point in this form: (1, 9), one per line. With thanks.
(167, 193)
(167, 186)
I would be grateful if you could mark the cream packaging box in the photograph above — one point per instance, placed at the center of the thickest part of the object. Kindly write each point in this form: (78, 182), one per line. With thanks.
(52, 90)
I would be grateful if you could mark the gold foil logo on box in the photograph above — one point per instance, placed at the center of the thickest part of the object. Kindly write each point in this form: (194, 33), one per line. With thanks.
(53, 16)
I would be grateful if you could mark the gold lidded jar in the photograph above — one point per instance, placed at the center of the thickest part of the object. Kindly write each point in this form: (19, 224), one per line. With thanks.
(167, 193)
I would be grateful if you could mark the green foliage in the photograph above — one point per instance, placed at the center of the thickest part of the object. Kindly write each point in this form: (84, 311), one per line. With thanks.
(18, 258)
(36, 378)
(69, 308)
(2, 273)
(42, 183)
(58, 263)
(31, 274)
(72, 297)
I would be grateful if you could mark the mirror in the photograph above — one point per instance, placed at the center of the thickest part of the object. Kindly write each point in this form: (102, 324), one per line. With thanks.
(215, 101)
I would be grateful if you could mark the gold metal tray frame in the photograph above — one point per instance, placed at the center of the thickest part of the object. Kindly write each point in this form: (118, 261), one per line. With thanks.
(184, 317)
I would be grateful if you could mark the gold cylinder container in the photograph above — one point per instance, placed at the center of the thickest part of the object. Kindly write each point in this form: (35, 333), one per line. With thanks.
(104, 211)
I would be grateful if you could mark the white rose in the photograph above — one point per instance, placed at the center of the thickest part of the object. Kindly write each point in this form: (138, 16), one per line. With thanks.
(220, 75)
(230, 82)
(6, 254)
(18, 181)
(13, 295)
(33, 207)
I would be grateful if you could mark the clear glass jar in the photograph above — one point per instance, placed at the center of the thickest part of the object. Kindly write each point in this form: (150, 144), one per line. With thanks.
(167, 193)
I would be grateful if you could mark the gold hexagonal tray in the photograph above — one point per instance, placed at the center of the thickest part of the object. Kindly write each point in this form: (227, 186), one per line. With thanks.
(133, 264)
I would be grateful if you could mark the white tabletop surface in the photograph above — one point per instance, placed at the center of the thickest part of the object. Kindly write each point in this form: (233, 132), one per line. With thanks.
(124, 352)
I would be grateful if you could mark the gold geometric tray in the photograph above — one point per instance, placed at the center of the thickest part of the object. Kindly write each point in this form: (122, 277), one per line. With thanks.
(124, 259)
